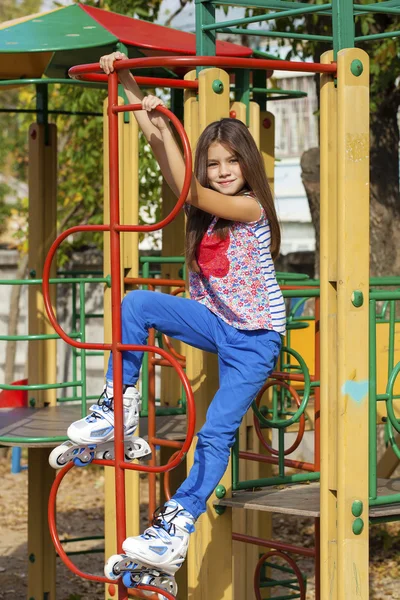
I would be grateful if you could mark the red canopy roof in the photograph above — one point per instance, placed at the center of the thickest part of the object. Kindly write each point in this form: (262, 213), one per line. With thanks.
(156, 40)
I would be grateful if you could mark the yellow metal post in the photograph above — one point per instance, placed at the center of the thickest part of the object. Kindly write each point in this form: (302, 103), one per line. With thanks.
(352, 333)
(344, 456)
(209, 569)
(129, 210)
(42, 365)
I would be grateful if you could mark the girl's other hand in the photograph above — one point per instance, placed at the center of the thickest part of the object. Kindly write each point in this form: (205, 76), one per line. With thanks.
(107, 61)
(149, 103)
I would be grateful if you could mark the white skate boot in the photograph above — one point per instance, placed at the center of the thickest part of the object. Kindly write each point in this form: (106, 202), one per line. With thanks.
(93, 436)
(154, 557)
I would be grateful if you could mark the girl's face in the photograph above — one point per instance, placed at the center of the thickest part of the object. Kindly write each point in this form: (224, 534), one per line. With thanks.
(223, 170)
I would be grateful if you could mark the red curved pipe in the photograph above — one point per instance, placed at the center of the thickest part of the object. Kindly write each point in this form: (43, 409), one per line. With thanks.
(114, 226)
(289, 560)
(51, 514)
(80, 71)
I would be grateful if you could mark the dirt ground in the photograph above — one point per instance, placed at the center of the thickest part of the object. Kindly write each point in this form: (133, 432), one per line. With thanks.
(80, 513)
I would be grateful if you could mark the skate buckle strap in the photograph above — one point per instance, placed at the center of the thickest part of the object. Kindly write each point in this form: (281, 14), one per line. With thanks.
(98, 412)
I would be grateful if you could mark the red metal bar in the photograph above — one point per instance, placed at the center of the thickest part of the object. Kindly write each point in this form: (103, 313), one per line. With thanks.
(154, 282)
(51, 513)
(249, 539)
(115, 255)
(274, 460)
(150, 82)
(79, 71)
(114, 226)
(167, 443)
(164, 363)
(151, 429)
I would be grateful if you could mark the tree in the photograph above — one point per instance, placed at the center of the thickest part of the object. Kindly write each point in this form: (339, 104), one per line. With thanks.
(384, 129)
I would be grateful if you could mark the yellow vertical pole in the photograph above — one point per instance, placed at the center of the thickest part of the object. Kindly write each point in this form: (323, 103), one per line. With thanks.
(209, 568)
(42, 365)
(328, 318)
(344, 464)
(352, 332)
(129, 207)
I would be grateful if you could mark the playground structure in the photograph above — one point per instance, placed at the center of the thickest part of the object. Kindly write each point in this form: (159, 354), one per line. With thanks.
(351, 337)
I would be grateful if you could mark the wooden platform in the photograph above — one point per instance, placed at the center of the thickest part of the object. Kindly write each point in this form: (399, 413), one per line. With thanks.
(36, 423)
(303, 499)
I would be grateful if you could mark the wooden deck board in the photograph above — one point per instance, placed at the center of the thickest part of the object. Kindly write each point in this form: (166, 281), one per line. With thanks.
(303, 499)
(52, 422)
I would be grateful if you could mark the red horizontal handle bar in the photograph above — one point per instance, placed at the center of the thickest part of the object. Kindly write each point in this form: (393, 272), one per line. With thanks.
(248, 539)
(79, 71)
(155, 282)
(149, 81)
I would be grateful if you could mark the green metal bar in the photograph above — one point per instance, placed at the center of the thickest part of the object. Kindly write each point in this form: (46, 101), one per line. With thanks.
(164, 259)
(34, 337)
(271, 16)
(277, 34)
(205, 40)
(375, 8)
(372, 401)
(255, 483)
(286, 93)
(77, 113)
(242, 90)
(49, 81)
(40, 386)
(259, 81)
(388, 519)
(384, 295)
(342, 25)
(281, 456)
(31, 440)
(377, 36)
(383, 500)
(265, 4)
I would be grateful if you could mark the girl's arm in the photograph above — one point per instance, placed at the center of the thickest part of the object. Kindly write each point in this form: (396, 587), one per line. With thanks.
(151, 123)
(159, 134)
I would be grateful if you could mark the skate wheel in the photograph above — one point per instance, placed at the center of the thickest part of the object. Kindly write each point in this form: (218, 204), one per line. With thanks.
(111, 570)
(84, 459)
(60, 455)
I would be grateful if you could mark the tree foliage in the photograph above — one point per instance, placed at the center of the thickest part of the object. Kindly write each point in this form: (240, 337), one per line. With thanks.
(80, 145)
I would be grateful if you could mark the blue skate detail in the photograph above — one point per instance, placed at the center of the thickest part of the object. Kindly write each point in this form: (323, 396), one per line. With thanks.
(160, 550)
(127, 580)
(189, 527)
(101, 432)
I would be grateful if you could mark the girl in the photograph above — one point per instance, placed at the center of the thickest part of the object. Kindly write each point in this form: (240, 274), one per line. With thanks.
(236, 309)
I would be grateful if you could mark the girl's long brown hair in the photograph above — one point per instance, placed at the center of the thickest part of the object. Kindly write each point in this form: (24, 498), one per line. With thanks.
(235, 135)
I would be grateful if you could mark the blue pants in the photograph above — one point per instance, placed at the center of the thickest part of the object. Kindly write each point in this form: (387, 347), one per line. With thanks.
(246, 359)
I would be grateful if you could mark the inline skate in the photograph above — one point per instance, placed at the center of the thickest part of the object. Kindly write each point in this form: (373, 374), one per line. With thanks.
(93, 436)
(154, 557)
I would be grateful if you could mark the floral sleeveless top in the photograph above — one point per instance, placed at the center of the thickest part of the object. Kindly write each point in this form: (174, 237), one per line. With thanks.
(237, 279)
